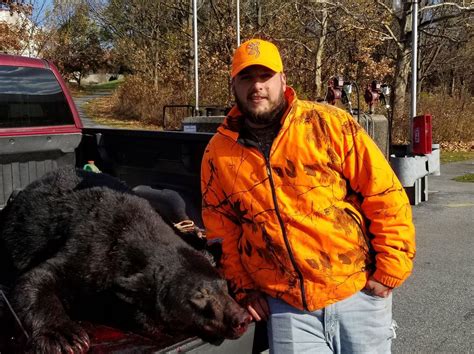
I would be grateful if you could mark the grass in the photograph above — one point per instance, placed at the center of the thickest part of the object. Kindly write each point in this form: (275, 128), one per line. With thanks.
(455, 156)
(79, 91)
(100, 111)
(465, 178)
(111, 85)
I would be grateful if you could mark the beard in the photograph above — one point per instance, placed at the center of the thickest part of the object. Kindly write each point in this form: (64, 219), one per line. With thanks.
(264, 118)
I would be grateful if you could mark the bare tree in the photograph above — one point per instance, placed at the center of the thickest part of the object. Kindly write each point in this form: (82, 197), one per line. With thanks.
(75, 42)
(148, 35)
(433, 16)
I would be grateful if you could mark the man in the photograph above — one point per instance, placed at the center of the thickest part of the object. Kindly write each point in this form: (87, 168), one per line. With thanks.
(316, 229)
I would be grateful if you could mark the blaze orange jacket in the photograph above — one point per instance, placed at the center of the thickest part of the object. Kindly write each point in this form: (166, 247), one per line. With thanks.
(311, 223)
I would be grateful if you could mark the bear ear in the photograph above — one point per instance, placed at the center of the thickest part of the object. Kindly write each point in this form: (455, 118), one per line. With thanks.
(201, 299)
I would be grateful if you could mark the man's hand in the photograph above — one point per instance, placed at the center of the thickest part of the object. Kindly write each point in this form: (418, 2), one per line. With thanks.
(376, 288)
(255, 302)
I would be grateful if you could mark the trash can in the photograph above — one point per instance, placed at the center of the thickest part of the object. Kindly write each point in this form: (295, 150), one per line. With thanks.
(422, 140)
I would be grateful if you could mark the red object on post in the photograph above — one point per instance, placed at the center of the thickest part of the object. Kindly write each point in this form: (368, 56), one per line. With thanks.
(422, 139)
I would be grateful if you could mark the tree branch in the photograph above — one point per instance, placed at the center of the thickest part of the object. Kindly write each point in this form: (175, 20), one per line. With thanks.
(291, 40)
(446, 4)
(436, 20)
(430, 34)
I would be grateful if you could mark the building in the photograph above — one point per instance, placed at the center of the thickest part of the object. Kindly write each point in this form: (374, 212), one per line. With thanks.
(16, 16)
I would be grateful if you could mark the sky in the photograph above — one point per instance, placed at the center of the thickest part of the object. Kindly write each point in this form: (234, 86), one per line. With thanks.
(39, 9)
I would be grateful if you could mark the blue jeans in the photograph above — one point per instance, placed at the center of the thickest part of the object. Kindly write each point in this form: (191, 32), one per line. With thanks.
(361, 323)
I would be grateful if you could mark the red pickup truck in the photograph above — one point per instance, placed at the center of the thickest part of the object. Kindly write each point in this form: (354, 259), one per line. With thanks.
(40, 130)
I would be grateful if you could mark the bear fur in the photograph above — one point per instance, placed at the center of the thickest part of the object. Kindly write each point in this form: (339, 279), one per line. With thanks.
(79, 245)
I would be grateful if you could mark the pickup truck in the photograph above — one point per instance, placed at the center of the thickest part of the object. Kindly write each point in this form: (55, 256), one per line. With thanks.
(40, 130)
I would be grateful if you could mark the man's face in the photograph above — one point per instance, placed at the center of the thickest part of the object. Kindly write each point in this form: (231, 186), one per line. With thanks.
(259, 93)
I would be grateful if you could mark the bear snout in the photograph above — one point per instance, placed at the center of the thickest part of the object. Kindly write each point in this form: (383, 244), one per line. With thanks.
(238, 319)
(240, 323)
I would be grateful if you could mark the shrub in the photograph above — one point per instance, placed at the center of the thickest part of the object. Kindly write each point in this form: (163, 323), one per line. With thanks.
(452, 117)
(452, 120)
(138, 99)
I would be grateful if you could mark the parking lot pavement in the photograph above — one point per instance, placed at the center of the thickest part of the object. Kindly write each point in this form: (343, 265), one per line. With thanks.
(435, 307)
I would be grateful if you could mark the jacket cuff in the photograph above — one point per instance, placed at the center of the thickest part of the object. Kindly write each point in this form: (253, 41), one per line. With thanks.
(387, 280)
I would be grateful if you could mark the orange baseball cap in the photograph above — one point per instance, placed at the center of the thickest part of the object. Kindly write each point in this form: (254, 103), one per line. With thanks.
(256, 52)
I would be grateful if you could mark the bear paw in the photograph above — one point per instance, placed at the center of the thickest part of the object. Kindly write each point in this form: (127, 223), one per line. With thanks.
(65, 338)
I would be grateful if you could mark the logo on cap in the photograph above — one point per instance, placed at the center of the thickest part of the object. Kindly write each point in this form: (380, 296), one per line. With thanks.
(253, 48)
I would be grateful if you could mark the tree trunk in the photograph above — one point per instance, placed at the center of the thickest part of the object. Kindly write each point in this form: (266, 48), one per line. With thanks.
(400, 117)
(156, 71)
(189, 31)
(258, 13)
(318, 57)
(453, 84)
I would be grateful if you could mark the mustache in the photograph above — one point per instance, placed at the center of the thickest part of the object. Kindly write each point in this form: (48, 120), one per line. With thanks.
(255, 94)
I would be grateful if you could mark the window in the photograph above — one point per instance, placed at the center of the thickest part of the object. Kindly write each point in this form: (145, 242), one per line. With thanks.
(31, 97)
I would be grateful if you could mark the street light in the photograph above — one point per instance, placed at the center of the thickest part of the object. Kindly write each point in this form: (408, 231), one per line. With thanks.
(397, 5)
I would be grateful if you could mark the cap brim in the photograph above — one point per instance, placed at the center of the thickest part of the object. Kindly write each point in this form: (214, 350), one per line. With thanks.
(274, 67)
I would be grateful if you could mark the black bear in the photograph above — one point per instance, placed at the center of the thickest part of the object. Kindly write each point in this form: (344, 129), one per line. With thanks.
(78, 245)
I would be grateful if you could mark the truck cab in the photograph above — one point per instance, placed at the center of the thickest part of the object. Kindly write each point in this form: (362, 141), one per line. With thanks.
(39, 124)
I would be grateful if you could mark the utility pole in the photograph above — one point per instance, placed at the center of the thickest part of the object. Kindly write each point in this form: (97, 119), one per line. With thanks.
(238, 23)
(414, 67)
(196, 59)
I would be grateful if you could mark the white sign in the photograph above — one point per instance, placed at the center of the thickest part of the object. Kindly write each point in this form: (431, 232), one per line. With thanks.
(189, 128)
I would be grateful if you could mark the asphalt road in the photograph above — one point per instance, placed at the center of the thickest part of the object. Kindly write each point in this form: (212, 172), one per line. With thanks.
(81, 101)
(435, 307)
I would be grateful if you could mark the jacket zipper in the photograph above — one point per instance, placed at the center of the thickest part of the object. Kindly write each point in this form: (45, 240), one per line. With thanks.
(285, 237)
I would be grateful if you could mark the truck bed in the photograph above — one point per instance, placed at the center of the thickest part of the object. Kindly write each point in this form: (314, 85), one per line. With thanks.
(155, 158)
